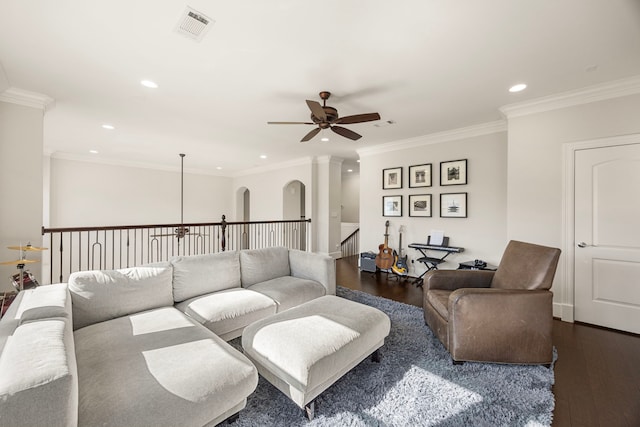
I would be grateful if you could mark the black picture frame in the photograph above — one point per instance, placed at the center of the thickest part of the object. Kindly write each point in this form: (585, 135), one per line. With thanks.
(453, 205)
(392, 206)
(453, 172)
(392, 178)
(420, 205)
(420, 175)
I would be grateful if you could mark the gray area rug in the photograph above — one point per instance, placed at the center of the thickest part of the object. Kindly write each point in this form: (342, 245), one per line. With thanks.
(415, 384)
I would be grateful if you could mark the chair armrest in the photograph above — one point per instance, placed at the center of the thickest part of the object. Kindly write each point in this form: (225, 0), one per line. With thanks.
(508, 325)
(451, 280)
(314, 266)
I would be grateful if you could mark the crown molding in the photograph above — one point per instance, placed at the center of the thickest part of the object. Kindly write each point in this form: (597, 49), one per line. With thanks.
(600, 92)
(437, 138)
(139, 165)
(26, 98)
(304, 161)
(328, 160)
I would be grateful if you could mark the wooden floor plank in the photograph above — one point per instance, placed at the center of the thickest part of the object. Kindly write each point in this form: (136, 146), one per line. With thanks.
(597, 374)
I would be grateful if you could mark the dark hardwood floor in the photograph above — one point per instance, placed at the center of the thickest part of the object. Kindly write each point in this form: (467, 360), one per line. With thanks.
(597, 374)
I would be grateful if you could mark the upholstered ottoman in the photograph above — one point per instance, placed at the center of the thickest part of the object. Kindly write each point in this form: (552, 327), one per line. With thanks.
(303, 350)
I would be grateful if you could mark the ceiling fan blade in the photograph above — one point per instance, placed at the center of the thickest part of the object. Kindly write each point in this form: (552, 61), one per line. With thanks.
(358, 118)
(290, 123)
(317, 110)
(310, 135)
(346, 132)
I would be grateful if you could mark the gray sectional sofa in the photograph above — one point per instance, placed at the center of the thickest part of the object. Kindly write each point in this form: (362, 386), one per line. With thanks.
(147, 345)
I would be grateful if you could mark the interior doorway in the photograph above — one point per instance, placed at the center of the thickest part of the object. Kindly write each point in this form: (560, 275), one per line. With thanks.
(605, 248)
(243, 214)
(293, 208)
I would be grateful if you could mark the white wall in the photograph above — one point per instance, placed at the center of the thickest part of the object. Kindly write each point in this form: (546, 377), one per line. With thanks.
(21, 177)
(351, 197)
(482, 233)
(94, 194)
(266, 189)
(535, 174)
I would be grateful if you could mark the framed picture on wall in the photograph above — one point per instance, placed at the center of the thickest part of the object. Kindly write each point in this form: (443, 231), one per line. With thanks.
(420, 205)
(453, 205)
(420, 175)
(391, 178)
(453, 172)
(391, 205)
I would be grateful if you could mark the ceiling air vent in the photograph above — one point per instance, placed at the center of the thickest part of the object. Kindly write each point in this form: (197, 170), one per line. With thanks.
(193, 24)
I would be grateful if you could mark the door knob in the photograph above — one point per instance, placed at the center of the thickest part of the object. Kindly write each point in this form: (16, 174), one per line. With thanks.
(582, 245)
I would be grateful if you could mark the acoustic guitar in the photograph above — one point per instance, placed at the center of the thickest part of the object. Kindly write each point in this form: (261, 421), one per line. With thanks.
(384, 259)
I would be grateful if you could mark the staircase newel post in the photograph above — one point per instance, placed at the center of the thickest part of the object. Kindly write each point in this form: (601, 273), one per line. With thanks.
(223, 240)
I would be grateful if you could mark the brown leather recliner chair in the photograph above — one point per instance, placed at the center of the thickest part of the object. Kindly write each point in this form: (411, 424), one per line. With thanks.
(503, 316)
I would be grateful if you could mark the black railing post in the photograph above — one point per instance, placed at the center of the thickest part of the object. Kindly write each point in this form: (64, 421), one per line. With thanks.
(223, 228)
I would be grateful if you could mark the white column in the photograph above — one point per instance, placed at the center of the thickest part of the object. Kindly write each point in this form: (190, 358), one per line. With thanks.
(328, 186)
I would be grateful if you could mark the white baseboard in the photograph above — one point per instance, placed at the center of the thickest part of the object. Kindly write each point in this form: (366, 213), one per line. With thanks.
(563, 312)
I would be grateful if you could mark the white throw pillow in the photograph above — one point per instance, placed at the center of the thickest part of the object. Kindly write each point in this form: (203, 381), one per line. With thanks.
(106, 294)
(197, 275)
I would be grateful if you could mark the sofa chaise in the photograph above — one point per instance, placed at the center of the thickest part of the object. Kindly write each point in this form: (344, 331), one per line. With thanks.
(147, 345)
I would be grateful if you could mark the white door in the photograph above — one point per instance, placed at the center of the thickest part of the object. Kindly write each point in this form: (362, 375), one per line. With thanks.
(607, 236)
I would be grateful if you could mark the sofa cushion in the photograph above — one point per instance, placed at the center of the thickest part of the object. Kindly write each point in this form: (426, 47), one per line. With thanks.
(289, 291)
(158, 368)
(39, 381)
(102, 295)
(260, 265)
(197, 275)
(226, 313)
(44, 302)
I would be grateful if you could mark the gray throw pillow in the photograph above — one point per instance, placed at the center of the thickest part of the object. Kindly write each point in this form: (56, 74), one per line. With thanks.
(197, 275)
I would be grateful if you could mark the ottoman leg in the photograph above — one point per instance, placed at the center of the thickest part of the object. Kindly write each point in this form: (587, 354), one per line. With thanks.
(233, 418)
(310, 410)
(375, 356)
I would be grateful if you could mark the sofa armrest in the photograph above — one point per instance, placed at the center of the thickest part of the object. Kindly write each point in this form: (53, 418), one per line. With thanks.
(451, 280)
(507, 325)
(314, 266)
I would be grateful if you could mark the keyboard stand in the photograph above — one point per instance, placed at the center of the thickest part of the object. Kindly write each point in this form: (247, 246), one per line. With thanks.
(432, 262)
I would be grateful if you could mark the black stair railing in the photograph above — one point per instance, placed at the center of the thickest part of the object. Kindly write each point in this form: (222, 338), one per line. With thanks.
(351, 244)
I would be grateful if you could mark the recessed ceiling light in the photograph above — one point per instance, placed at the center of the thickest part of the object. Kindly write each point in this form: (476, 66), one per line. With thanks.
(349, 170)
(358, 160)
(107, 126)
(93, 151)
(263, 156)
(517, 88)
(324, 139)
(149, 83)
(219, 167)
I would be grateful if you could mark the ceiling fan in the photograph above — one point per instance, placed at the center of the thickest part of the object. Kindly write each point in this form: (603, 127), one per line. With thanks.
(326, 117)
(181, 231)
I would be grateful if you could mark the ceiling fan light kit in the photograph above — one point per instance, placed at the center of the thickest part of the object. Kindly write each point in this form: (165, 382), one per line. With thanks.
(326, 117)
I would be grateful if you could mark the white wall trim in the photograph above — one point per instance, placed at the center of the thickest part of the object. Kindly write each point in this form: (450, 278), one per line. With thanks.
(601, 92)
(274, 167)
(436, 138)
(566, 307)
(26, 98)
(323, 160)
(130, 164)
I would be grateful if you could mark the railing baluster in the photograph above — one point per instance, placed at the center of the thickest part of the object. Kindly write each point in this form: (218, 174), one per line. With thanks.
(136, 244)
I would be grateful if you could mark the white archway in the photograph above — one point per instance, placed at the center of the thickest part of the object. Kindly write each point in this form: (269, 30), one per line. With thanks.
(293, 201)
